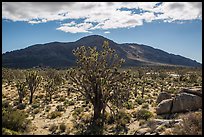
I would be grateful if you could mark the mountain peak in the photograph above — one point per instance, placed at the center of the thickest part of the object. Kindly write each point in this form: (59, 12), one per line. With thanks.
(94, 39)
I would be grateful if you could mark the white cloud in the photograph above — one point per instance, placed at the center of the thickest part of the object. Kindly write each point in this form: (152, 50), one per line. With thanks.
(104, 15)
(180, 11)
(107, 32)
(72, 27)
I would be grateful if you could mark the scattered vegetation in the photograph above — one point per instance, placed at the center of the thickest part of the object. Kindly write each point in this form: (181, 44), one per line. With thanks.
(191, 124)
(14, 120)
(143, 114)
(104, 97)
(54, 114)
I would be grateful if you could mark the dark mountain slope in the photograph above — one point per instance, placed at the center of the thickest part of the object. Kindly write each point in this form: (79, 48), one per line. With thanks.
(58, 55)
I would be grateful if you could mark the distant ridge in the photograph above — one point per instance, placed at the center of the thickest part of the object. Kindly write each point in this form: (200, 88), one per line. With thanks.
(59, 55)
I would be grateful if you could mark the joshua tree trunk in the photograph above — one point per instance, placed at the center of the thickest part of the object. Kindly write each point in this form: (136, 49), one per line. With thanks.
(98, 104)
(20, 100)
(31, 97)
(143, 91)
(50, 97)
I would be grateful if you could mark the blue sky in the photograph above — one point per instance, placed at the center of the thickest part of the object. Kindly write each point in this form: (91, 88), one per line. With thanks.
(160, 25)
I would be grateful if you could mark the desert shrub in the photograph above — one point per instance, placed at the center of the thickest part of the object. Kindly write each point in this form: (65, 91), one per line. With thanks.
(109, 118)
(6, 131)
(53, 128)
(62, 99)
(68, 102)
(5, 104)
(60, 108)
(145, 105)
(21, 106)
(77, 111)
(142, 122)
(139, 100)
(47, 109)
(35, 105)
(14, 120)
(41, 96)
(143, 114)
(129, 105)
(36, 111)
(85, 117)
(123, 118)
(191, 124)
(54, 114)
(62, 127)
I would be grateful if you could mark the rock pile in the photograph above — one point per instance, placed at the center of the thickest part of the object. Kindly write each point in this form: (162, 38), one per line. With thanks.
(186, 100)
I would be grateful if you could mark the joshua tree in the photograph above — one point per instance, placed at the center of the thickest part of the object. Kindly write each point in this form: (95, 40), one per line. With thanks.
(162, 75)
(97, 78)
(53, 83)
(50, 88)
(21, 88)
(33, 80)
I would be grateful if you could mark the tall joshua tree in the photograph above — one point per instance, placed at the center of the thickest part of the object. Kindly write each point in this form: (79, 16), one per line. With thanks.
(33, 80)
(97, 78)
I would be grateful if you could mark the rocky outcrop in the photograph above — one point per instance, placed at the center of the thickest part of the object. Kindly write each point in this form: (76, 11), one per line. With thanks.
(186, 102)
(164, 106)
(163, 96)
(142, 131)
(181, 103)
(194, 91)
(168, 123)
(157, 126)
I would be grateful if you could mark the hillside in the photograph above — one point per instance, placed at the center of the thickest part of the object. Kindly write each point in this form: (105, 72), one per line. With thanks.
(59, 55)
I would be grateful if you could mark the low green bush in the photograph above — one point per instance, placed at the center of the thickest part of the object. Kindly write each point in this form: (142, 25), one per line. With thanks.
(69, 102)
(129, 105)
(35, 105)
(139, 100)
(145, 105)
(21, 106)
(60, 108)
(5, 104)
(47, 109)
(62, 99)
(6, 131)
(123, 118)
(62, 127)
(36, 111)
(142, 114)
(14, 120)
(54, 114)
(53, 128)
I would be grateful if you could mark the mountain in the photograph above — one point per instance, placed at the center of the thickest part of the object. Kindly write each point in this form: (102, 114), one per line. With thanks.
(59, 55)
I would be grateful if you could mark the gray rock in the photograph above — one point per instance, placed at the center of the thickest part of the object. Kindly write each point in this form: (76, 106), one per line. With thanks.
(181, 103)
(186, 102)
(147, 133)
(163, 96)
(165, 122)
(142, 131)
(194, 91)
(164, 106)
(154, 133)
